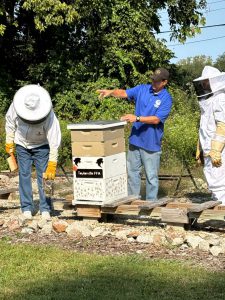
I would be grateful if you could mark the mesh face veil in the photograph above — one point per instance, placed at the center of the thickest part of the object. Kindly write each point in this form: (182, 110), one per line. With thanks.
(211, 81)
(202, 88)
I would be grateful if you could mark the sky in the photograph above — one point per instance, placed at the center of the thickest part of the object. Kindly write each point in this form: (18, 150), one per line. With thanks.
(211, 41)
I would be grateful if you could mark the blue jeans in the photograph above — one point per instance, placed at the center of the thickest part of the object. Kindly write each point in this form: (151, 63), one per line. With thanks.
(136, 158)
(26, 157)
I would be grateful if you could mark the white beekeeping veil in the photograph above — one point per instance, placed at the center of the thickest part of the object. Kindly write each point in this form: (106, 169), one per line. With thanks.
(211, 81)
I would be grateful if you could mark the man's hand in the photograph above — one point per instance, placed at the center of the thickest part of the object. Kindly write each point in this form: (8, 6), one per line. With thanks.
(104, 93)
(129, 118)
(215, 158)
(50, 171)
(9, 148)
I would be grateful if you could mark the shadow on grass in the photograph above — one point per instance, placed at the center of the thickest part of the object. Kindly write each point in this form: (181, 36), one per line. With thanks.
(122, 286)
(66, 275)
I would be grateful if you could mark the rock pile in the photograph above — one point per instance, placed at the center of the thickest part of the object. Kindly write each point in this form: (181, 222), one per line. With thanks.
(169, 237)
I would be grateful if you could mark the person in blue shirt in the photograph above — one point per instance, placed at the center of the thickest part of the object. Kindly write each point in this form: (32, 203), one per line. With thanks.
(152, 107)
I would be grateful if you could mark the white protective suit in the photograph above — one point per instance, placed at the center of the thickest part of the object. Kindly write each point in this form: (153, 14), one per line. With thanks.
(212, 106)
(33, 135)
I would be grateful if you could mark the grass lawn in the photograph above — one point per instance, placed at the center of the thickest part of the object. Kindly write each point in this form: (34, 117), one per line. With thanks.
(44, 272)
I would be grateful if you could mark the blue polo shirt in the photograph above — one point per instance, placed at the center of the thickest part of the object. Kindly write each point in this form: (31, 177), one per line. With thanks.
(148, 103)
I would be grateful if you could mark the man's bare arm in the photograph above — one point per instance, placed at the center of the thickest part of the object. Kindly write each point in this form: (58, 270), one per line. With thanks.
(117, 93)
(147, 120)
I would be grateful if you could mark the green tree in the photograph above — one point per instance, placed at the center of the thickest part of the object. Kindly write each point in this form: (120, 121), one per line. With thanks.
(220, 62)
(74, 47)
(59, 42)
(181, 129)
(190, 68)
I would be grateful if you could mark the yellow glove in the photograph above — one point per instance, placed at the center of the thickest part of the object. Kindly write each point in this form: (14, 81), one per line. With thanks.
(199, 154)
(217, 145)
(215, 153)
(50, 171)
(9, 148)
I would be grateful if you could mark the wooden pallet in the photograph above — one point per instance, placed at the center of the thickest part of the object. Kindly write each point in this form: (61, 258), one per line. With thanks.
(167, 210)
(5, 193)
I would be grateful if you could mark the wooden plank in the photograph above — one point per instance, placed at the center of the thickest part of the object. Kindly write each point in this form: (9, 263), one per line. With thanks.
(152, 204)
(128, 210)
(87, 202)
(180, 204)
(174, 215)
(121, 201)
(89, 211)
(219, 207)
(208, 214)
(132, 210)
(7, 193)
(138, 202)
(203, 206)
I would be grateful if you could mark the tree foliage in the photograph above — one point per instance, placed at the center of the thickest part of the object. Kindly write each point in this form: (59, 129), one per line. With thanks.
(220, 62)
(190, 68)
(74, 47)
(181, 130)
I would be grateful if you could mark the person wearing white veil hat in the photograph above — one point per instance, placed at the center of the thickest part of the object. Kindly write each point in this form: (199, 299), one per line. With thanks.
(210, 90)
(33, 127)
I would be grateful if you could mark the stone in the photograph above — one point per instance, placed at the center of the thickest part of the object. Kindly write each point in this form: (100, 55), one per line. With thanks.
(223, 247)
(193, 241)
(133, 234)
(183, 247)
(178, 241)
(146, 239)
(27, 230)
(215, 250)
(33, 225)
(72, 232)
(159, 239)
(14, 181)
(204, 245)
(42, 222)
(47, 228)
(97, 231)
(60, 226)
(13, 224)
(122, 234)
(4, 181)
(78, 228)
(214, 242)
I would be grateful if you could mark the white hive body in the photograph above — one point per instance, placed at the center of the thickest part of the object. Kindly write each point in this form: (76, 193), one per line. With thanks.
(99, 161)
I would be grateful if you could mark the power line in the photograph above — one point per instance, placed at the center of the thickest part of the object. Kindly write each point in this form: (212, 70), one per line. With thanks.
(165, 12)
(202, 27)
(206, 12)
(180, 44)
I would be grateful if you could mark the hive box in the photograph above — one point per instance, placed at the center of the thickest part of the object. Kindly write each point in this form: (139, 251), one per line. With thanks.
(97, 135)
(96, 131)
(99, 167)
(98, 150)
(106, 148)
(100, 190)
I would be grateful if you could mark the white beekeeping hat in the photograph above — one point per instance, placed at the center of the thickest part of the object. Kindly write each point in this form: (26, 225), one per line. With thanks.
(32, 103)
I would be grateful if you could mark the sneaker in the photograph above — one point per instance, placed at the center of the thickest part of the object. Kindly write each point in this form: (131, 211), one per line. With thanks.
(27, 214)
(45, 215)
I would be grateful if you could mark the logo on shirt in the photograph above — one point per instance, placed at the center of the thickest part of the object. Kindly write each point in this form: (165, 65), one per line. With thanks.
(157, 103)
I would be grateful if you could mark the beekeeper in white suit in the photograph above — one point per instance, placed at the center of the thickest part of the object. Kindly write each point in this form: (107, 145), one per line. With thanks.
(210, 89)
(34, 129)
